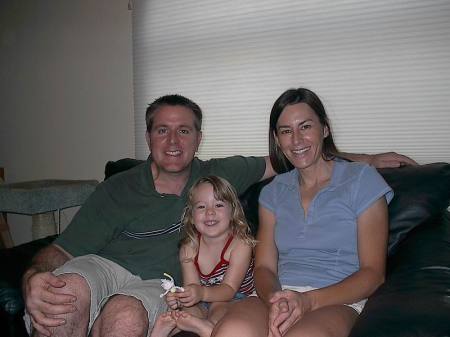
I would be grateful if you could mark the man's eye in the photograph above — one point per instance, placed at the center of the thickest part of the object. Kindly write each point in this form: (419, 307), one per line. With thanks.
(184, 131)
(161, 131)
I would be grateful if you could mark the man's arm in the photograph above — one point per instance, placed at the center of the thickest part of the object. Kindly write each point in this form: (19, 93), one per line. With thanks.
(38, 283)
(269, 171)
(380, 160)
(48, 259)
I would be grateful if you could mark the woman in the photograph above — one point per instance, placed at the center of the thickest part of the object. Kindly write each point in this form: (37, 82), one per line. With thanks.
(322, 238)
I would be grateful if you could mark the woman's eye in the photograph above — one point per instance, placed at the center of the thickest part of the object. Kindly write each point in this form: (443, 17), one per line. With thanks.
(305, 127)
(285, 131)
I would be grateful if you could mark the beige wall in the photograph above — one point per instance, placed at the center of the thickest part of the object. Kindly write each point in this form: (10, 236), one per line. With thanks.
(66, 98)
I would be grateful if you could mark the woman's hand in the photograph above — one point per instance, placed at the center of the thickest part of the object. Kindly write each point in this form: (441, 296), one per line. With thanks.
(287, 308)
(192, 294)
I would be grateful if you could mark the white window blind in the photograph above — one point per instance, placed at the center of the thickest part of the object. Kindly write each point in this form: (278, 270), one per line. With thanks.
(382, 69)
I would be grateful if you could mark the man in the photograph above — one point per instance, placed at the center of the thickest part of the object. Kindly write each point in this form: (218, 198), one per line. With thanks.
(101, 276)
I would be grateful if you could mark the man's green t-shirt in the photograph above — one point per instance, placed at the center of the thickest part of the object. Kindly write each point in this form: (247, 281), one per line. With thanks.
(127, 221)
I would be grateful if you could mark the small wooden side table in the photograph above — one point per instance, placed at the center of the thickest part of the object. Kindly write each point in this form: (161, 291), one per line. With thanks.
(41, 198)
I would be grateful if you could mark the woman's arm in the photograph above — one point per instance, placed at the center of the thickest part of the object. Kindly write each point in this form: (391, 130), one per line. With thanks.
(372, 247)
(266, 256)
(372, 250)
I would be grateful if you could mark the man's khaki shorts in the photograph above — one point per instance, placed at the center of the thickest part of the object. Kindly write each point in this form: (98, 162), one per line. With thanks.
(105, 279)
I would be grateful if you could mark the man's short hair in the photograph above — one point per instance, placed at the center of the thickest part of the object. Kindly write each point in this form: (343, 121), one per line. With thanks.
(173, 100)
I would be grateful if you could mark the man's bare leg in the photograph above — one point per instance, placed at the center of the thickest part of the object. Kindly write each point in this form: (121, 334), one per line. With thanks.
(122, 316)
(76, 322)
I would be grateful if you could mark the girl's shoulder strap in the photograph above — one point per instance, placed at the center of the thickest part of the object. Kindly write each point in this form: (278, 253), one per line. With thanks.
(198, 249)
(227, 244)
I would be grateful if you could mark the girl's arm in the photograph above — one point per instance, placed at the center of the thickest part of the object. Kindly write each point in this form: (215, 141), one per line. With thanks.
(191, 281)
(266, 256)
(239, 261)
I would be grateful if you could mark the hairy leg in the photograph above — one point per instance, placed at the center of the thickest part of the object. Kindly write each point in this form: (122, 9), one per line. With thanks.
(245, 318)
(122, 316)
(331, 321)
(76, 322)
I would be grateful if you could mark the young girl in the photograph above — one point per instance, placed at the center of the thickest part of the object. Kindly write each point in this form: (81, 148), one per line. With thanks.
(216, 258)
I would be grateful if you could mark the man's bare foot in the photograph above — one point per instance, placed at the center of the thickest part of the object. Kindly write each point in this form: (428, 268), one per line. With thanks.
(164, 325)
(188, 322)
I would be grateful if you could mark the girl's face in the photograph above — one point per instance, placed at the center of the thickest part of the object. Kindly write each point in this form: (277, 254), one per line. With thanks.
(211, 216)
(300, 135)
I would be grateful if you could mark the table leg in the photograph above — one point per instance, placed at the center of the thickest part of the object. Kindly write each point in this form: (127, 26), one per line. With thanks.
(43, 224)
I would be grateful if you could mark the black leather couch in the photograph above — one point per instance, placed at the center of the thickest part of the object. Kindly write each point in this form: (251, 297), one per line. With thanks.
(414, 300)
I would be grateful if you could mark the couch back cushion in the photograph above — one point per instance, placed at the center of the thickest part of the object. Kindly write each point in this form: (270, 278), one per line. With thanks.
(421, 194)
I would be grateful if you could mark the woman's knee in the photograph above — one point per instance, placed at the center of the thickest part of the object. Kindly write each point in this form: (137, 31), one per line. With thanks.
(246, 319)
(235, 326)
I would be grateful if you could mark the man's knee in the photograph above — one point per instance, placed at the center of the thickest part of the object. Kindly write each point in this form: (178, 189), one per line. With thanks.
(76, 286)
(123, 313)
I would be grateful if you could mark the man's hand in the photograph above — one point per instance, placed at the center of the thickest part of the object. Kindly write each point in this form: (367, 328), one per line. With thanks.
(390, 159)
(42, 302)
(192, 294)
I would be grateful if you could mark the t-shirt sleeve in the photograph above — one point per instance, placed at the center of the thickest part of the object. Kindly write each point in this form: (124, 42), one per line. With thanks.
(267, 197)
(90, 229)
(370, 187)
(240, 171)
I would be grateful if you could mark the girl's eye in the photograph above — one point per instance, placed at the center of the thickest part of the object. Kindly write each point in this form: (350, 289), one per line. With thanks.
(200, 207)
(220, 205)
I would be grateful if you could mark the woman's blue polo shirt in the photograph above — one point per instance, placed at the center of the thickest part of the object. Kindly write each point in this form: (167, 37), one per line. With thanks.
(321, 249)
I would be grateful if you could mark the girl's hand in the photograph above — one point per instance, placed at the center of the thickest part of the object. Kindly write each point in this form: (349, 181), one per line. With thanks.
(171, 301)
(192, 294)
(287, 308)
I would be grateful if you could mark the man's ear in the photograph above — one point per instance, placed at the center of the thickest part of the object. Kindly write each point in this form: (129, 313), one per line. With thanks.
(199, 140)
(147, 139)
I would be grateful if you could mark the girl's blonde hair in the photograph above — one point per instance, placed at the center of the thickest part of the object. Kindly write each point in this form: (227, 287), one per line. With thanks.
(223, 191)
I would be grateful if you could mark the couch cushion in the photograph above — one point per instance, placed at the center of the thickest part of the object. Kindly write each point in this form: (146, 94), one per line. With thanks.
(421, 194)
